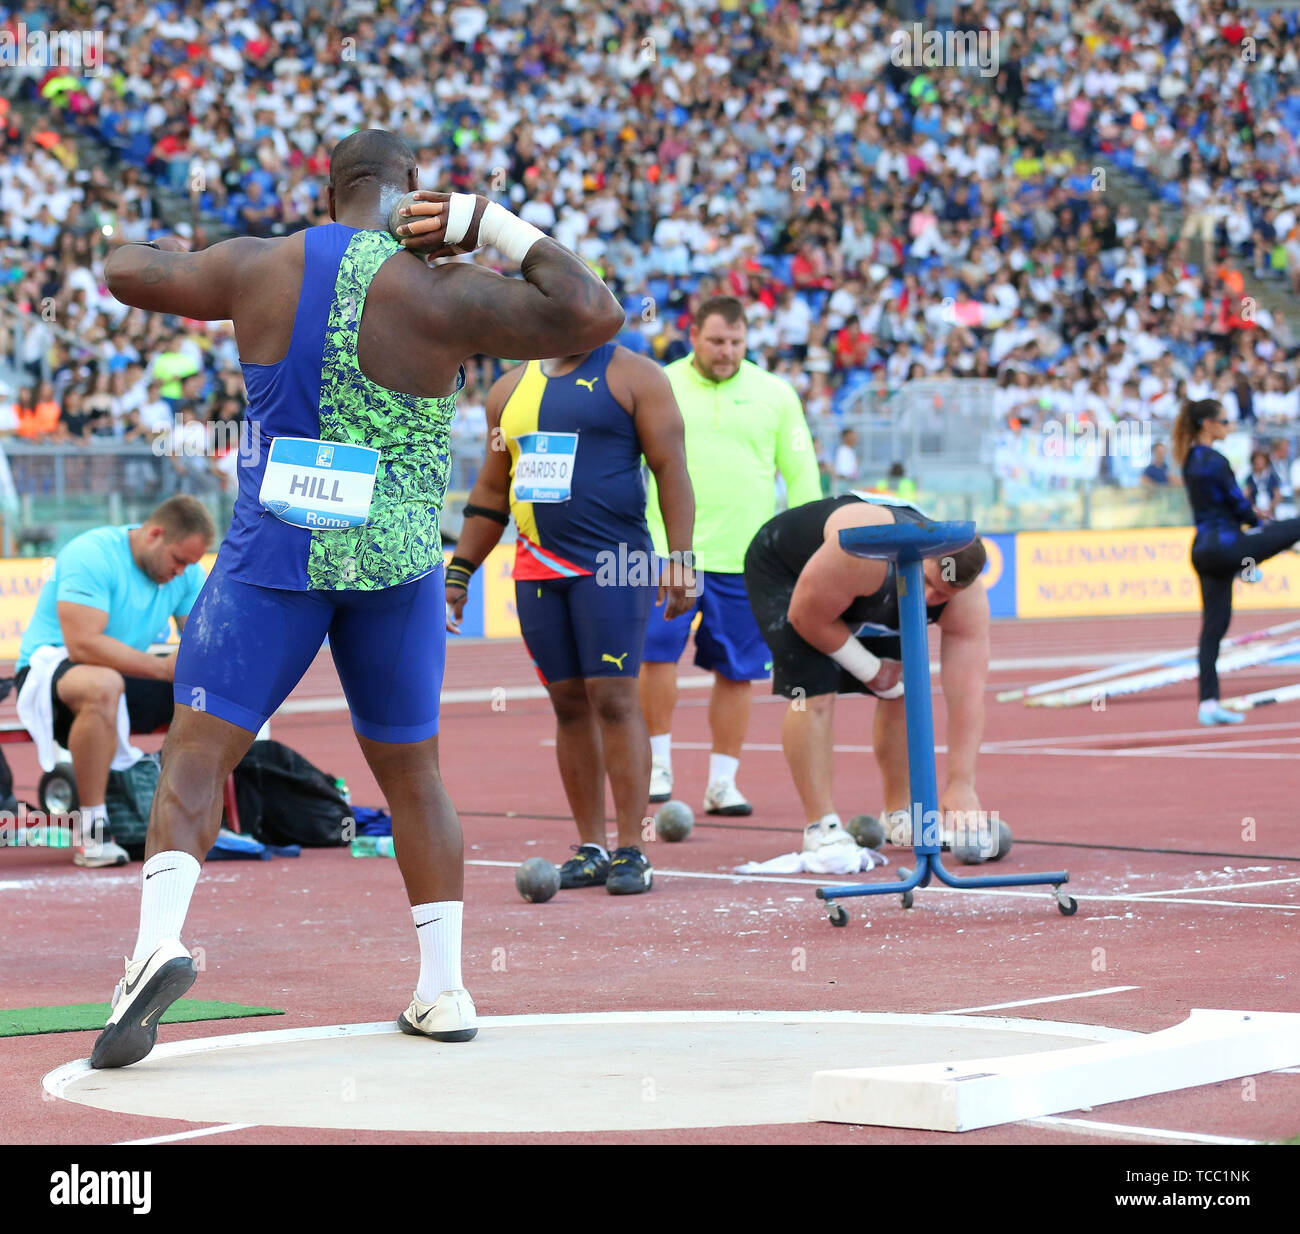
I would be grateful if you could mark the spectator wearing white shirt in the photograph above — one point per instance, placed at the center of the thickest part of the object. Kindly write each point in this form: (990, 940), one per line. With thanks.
(792, 321)
(1200, 385)
(1279, 454)
(847, 466)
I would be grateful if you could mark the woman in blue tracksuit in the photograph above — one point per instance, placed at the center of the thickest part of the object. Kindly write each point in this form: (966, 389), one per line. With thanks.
(1221, 550)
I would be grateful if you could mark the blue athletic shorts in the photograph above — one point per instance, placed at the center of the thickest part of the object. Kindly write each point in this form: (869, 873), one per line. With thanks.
(728, 639)
(574, 627)
(244, 648)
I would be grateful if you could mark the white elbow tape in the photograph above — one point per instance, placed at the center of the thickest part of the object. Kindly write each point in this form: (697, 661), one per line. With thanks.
(854, 657)
(509, 235)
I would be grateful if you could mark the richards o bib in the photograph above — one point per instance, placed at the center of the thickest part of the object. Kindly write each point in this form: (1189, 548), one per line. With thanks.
(544, 469)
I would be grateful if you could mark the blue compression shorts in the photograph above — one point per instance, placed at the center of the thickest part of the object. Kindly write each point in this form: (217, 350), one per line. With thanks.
(244, 648)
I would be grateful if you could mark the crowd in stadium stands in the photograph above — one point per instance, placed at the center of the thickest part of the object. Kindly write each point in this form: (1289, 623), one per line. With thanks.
(883, 221)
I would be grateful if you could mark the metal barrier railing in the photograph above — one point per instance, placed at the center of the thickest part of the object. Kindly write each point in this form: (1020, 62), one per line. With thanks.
(55, 491)
(60, 490)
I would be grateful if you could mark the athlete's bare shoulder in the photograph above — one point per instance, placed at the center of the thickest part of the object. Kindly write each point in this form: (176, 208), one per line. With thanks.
(855, 514)
(504, 386)
(635, 378)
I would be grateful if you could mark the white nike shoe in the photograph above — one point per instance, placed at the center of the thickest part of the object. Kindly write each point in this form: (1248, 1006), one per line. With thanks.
(898, 827)
(150, 986)
(661, 781)
(723, 797)
(100, 856)
(450, 1017)
(821, 835)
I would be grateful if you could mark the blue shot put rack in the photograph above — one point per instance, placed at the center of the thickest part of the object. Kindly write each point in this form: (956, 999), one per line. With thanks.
(908, 544)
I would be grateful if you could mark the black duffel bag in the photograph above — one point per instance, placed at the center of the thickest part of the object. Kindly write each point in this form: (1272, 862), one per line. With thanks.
(284, 799)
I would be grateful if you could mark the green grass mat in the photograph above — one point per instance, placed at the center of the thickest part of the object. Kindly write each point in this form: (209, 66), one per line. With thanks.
(79, 1017)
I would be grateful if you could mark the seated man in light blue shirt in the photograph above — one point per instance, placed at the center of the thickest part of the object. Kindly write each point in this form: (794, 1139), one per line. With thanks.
(112, 592)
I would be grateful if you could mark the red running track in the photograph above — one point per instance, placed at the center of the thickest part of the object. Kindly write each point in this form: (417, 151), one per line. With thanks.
(1182, 845)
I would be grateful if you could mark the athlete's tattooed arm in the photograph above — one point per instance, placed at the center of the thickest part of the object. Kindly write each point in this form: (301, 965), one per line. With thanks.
(201, 285)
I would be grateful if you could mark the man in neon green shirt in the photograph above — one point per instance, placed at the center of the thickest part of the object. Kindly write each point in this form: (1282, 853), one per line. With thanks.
(743, 426)
(170, 368)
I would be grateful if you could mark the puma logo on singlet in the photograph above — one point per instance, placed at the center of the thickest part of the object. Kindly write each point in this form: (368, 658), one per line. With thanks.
(615, 660)
(590, 383)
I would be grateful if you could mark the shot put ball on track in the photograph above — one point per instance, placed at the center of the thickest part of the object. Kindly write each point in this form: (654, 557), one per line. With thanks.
(537, 880)
(867, 830)
(674, 821)
(991, 846)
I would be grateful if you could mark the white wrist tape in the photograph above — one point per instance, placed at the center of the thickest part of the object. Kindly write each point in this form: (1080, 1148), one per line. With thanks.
(510, 236)
(854, 657)
(460, 214)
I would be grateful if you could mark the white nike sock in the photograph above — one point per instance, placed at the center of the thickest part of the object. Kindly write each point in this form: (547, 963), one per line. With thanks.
(828, 820)
(437, 926)
(661, 749)
(169, 880)
(600, 848)
(1208, 706)
(723, 767)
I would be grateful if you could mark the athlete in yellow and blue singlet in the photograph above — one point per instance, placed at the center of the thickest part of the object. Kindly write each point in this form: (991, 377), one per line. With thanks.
(566, 439)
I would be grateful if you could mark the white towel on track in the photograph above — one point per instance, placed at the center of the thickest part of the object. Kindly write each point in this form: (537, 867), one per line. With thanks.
(834, 859)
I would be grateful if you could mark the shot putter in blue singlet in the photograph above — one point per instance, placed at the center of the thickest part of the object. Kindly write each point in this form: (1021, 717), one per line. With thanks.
(335, 530)
(352, 354)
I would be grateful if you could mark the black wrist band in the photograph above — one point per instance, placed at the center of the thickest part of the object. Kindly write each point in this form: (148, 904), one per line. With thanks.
(496, 516)
(459, 572)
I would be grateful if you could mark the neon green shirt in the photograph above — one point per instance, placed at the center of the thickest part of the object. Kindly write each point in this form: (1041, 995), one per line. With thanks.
(170, 368)
(739, 434)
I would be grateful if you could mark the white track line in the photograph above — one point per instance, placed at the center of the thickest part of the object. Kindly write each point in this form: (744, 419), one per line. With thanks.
(487, 694)
(1089, 1127)
(826, 881)
(188, 1135)
(1053, 998)
(1011, 745)
(1225, 745)
(726, 878)
(1156, 752)
(1266, 882)
(1078, 738)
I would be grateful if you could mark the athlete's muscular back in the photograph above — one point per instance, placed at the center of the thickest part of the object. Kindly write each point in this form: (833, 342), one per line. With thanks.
(419, 322)
(397, 346)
